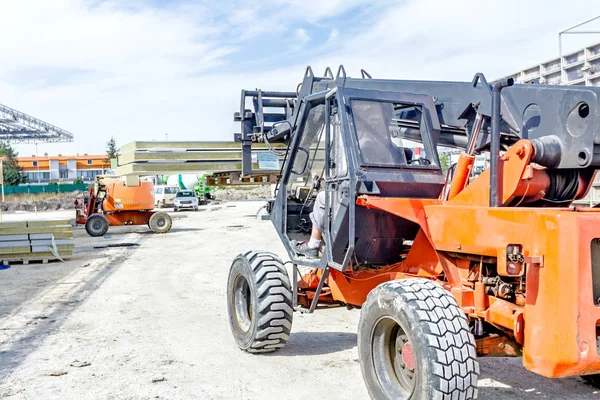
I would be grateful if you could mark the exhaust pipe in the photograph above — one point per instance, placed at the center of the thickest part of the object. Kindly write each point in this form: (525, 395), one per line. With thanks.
(495, 184)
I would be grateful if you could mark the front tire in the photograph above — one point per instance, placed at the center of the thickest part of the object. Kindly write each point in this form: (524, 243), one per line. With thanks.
(160, 222)
(415, 344)
(259, 302)
(96, 225)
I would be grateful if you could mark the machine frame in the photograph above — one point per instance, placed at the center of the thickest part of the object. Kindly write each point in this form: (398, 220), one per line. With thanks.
(498, 244)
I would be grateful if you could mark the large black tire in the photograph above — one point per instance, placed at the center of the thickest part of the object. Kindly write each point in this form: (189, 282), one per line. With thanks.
(160, 222)
(259, 302)
(414, 343)
(96, 225)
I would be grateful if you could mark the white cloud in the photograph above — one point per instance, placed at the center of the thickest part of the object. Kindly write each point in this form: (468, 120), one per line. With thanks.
(301, 35)
(333, 35)
(440, 40)
(314, 10)
(140, 72)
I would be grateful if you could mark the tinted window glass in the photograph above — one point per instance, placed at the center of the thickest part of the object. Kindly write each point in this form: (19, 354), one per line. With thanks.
(311, 134)
(186, 194)
(170, 190)
(388, 133)
(338, 154)
(373, 123)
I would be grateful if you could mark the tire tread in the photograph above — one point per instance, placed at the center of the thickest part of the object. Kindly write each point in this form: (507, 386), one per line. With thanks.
(448, 337)
(274, 295)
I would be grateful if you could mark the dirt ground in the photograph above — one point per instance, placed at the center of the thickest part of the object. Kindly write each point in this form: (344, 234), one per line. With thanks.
(263, 192)
(149, 321)
(40, 202)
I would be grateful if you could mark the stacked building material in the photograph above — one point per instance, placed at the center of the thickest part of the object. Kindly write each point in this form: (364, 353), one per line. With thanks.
(35, 240)
(165, 158)
(149, 158)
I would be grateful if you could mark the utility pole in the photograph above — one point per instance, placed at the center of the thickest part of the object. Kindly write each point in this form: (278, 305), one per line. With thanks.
(37, 162)
(2, 176)
(166, 136)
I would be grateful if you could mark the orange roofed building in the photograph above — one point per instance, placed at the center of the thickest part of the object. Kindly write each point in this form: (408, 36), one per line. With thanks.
(44, 169)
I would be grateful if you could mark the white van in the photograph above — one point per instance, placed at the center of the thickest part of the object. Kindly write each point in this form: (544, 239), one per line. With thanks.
(164, 195)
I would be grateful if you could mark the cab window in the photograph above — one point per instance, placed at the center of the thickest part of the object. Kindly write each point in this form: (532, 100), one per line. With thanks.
(387, 133)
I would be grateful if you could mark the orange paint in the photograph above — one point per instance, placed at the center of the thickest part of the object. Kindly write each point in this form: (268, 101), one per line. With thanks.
(120, 197)
(557, 324)
(464, 167)
(121, 205)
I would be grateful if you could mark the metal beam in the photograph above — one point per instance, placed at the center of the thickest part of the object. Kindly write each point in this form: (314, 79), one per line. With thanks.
(29, 128)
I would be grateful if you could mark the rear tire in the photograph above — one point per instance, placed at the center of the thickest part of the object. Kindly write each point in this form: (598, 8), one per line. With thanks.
(96, 225)
(259, 302)
(160, 222)
(415, 344)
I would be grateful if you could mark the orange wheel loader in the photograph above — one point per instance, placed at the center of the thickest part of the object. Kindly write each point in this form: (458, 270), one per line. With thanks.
(444, 267)
(117, 201)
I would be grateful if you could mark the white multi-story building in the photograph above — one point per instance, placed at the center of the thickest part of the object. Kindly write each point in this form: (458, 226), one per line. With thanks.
(581, 67)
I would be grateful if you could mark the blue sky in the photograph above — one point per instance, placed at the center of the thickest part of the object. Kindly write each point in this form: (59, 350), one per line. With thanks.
(139, 69)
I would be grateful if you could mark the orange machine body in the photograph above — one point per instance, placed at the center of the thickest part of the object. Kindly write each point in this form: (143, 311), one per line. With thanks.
(127, 198)
(555, 317)
(121, 204)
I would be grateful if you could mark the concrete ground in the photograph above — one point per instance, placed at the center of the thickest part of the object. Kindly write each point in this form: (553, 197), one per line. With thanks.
(149, 321)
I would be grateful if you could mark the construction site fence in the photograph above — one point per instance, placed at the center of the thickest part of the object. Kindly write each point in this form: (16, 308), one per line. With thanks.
(57, 188)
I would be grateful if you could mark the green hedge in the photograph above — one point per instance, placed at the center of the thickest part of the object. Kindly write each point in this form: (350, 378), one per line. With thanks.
(60, 188)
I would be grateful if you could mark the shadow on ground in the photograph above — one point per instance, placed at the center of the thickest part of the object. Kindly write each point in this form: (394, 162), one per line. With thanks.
(172, 230)
(501, 378)
(317, 343)
(507, 379)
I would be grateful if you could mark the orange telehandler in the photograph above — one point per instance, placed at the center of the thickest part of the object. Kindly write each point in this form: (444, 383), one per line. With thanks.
(444, 267)
(117, 201)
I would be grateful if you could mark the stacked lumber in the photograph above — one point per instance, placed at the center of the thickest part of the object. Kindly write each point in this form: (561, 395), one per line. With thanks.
(35, 240)
(166, 158)
(155, 158)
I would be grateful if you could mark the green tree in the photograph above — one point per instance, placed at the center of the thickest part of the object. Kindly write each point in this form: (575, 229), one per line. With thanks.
(445, 162)
(111, 149)
(11, 172)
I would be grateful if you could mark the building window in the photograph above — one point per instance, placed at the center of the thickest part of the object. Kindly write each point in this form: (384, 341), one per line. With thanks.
(88, 174)
(89, 162)
(63, 173)
(35, 163)
(33, 177)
